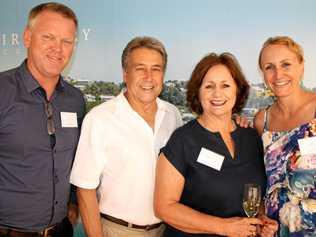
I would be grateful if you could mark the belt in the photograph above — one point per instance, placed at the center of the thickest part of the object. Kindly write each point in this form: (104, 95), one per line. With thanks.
(49, 231)
(130, 225)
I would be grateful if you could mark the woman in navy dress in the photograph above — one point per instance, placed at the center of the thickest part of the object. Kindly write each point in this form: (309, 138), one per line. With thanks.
(202, 170)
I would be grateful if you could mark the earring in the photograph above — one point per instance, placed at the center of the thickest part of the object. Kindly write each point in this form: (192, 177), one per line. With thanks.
(301, 83)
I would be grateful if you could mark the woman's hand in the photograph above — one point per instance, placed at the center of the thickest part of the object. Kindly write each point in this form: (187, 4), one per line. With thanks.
(269, 226)
(241, 226)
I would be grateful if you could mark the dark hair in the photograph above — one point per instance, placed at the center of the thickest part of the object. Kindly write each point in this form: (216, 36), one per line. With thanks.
(144, 42)
(200, 71)
(52, 7)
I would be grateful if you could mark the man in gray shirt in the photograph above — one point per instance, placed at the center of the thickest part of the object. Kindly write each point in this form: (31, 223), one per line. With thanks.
(40, 118)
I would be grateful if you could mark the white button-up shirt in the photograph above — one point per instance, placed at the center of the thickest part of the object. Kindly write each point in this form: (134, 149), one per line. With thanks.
(117, 154)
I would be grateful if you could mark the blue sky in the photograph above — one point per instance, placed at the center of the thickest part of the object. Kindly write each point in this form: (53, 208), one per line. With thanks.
(188, 28)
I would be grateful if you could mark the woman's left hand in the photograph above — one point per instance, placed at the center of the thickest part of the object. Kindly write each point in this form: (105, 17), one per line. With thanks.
(269, 226)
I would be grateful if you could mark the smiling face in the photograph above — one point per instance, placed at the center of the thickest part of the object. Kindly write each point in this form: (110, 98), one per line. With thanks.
(281, 69)
(50, 42)
(144, 76)
(218, 91)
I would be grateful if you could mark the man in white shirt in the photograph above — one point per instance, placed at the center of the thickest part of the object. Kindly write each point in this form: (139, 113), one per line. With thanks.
(119, 145)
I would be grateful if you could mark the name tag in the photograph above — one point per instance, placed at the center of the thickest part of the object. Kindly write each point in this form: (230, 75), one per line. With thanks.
(210, 159)
(68, 120)
(307, 145)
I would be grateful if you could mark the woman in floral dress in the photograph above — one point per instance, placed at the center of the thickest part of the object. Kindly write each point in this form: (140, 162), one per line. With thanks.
(288, 129)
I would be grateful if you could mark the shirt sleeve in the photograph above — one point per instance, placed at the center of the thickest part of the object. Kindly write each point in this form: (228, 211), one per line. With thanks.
(90, 157)
(174, 152)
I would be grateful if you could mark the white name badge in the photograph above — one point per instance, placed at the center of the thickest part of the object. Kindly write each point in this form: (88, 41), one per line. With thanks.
(68, 120)
(210, 159)
(307, 145)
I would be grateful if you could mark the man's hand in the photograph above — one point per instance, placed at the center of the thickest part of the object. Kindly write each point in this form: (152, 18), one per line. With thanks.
(242, 121)
(73, 213)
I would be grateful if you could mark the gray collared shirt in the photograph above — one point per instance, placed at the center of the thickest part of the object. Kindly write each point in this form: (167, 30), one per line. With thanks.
(34, 177)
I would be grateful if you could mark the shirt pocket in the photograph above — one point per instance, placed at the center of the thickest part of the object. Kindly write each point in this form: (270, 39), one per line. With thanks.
(67, 138)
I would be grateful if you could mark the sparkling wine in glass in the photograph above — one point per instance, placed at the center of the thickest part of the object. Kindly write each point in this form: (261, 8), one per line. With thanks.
(251, 199)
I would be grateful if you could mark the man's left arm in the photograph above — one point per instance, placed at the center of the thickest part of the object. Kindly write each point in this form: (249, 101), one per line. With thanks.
(73, 209)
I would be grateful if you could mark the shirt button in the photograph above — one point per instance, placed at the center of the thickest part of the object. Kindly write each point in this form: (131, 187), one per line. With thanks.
(56, 202)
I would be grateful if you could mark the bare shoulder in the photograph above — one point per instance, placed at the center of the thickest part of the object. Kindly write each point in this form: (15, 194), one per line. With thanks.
(313, 98)
(313, 102)
(258, 121)
(310, 102)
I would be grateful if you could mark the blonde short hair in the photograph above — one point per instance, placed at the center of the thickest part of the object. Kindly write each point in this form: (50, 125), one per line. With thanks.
(59, 8)
(286, 41)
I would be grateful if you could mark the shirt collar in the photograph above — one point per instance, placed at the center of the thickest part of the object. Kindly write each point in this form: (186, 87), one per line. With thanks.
(31, 84)
(161, 106)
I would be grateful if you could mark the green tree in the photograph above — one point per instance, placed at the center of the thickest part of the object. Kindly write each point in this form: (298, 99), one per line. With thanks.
(173, 94)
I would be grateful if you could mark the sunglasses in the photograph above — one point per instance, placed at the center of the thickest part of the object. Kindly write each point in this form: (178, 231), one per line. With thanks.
(50, 122)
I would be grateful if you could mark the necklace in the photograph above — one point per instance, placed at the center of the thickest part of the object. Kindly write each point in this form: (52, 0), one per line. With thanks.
(229, 127)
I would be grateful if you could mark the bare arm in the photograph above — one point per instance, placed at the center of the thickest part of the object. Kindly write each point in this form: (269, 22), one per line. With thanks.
(168, 190)
(258, 121)
(89, 211)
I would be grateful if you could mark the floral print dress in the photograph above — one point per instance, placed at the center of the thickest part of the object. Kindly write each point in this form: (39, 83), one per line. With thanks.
(291, 193)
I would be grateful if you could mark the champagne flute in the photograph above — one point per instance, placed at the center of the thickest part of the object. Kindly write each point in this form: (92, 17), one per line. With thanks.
(251, 199)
